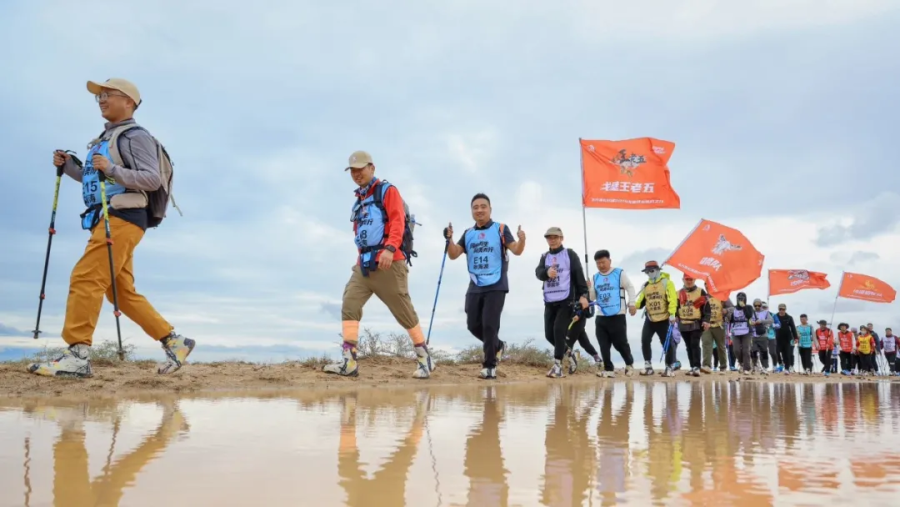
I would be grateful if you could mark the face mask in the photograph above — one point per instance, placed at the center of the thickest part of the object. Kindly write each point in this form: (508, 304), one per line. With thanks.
(653, 274)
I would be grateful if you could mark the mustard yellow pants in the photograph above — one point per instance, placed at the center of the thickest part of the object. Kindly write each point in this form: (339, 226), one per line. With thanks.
(90, 280)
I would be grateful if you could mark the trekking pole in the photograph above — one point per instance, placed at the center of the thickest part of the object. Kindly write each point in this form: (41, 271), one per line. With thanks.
(666, 344)
(52, 231)
(112, 271)
(434, 306)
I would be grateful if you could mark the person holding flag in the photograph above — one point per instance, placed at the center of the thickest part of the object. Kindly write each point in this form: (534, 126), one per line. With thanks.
(659, 300)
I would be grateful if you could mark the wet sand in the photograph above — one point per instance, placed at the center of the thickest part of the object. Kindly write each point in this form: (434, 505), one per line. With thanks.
(137, 378)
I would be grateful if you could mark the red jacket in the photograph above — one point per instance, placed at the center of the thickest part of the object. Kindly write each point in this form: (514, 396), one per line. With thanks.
(393, 229)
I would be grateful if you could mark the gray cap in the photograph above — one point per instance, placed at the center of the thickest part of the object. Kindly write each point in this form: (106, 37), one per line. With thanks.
(553, 231)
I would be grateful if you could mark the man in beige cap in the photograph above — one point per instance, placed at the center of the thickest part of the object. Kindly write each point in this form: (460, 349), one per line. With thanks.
(566, 294)
(130, 160)
(383, 230)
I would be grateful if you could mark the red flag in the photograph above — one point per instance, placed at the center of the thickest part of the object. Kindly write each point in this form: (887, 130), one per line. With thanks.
(788, 281)
(866, 288)
(630, 174)
(720, 256)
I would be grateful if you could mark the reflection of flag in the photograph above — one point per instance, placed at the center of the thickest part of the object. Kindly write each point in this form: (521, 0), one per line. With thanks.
(866, 288)
(788, 281)
(630, 174)
(720, 256)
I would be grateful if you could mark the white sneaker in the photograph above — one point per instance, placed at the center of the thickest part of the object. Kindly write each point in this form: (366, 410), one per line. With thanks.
(425, 365)
(347, 366)
(629, 370)
(609, 374)
(555, 370)
(74, 362)
(488, 373)
(669, 372)
(177, 349)
(648, 369)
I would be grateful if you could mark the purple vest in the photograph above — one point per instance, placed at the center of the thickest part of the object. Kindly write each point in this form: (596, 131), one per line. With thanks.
(558, 289)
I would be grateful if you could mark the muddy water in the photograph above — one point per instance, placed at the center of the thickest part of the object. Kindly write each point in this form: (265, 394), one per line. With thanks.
(557, 445)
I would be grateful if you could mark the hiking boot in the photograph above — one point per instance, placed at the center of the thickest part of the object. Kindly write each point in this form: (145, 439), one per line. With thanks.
(648, 369)
(75, 362)
(347, 366)
(573, 361)
(555, 370)
(706, 369)
(695, 372)
(500, 351)
(488, 373)
(425, 363)
(629, 370)
(177, 349)
(676, 366)
(669, 372)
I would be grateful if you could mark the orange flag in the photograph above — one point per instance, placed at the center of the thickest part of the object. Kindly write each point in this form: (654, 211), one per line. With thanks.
(720, 256)
(866, 288)
(788, 281)
(630, 174)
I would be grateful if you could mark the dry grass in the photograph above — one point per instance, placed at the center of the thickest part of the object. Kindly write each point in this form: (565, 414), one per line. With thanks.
(371, 345)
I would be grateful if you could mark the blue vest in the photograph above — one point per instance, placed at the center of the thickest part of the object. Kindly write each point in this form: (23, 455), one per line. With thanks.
(806, 336)
(90, 186)
(369, 219)
(484, 254)
(608, 289)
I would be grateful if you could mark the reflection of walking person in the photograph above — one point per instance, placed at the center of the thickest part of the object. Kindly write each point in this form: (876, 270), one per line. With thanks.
(564, 285)
(383, 242)
(609, 289)
(485, 245)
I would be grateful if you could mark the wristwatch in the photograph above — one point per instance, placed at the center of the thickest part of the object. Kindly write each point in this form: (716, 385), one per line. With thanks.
(390, 248)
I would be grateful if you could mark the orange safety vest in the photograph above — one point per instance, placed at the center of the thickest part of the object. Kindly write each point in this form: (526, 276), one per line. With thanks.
(846, 340)
(825, 339)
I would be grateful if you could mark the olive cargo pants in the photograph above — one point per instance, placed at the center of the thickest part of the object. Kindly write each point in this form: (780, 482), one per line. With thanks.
(391, 286)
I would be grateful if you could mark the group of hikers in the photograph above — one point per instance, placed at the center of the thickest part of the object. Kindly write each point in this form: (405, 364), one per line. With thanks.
(126, 183)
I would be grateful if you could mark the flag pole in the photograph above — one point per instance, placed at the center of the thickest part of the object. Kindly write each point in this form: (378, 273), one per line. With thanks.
(584, 213)
(834, 308)
(768, 285)
(681, 243)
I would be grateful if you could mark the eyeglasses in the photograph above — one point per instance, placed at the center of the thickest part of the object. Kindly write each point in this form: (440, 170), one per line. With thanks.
(106, 95)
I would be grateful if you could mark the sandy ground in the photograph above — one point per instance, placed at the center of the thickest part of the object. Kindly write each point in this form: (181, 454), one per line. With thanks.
(141, 378)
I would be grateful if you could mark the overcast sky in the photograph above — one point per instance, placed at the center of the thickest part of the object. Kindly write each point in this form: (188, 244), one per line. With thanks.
(782, 112)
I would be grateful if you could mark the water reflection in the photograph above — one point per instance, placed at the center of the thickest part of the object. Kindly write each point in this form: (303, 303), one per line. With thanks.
(556, 445)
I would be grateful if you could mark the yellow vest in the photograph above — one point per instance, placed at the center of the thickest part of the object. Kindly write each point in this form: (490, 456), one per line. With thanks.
(687, 312)
(715, 312)
(865, 344)
(657, 303)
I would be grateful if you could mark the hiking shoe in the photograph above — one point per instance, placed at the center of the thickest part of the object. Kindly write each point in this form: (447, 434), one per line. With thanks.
(648, 369)
(695, 372)
(706, 369)
(573, 361)
(734, 368)
(347, 366)
(488, 373)
(669, 372)
(778, 369)
(629, 370)
(75, 362)
(676, 365)
(555, 370)
(500, 351)
(609, 374)
(425, 365)
(177, 349)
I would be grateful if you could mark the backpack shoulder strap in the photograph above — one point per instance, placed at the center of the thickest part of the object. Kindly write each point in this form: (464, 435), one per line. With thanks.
(502, 234)
(115, 142)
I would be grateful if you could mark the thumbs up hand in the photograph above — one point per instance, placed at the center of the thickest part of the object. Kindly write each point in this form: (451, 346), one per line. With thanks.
(520, 233)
